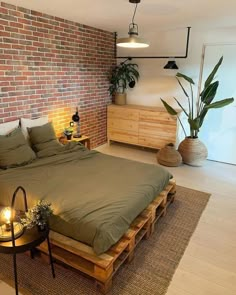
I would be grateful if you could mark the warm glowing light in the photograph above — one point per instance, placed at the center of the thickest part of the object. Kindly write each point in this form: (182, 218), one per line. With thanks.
(7, 214)
(132, 42)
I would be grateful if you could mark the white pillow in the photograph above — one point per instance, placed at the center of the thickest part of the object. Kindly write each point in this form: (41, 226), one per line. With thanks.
(28, 123)
(8, 127)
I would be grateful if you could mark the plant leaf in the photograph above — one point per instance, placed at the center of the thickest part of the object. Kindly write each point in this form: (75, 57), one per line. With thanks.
(209, 92)
(185, 92)
(212, 74)
(185, 77)
(202, 116)
(181, 106)
(220, 104)
(169, 109)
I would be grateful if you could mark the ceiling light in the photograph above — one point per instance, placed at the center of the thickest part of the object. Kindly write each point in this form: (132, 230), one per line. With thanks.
(133, 41)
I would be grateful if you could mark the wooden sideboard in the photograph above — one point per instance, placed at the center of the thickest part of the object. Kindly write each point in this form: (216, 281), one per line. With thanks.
(141, 125)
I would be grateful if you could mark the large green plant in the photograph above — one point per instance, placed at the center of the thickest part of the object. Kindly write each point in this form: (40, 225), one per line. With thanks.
(197, 110)
(122, 76)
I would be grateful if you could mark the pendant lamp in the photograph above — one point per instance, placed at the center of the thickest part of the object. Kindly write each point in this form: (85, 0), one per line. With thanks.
(171, 65)
(133, 41)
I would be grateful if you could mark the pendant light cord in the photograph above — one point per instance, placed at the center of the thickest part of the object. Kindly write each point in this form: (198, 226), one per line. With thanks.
(134, 12)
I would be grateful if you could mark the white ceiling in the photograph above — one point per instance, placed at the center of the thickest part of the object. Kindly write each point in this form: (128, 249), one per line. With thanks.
(152, 15)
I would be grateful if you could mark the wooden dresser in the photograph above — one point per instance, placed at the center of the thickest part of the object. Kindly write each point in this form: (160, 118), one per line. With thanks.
(141, 125)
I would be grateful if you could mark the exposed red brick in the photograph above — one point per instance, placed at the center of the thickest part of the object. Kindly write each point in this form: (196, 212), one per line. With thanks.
(50, 65)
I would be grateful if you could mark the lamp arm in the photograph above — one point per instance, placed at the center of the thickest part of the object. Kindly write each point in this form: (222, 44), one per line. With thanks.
(12, 208)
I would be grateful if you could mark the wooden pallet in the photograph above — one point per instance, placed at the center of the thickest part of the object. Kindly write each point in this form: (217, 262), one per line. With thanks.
(103, 267)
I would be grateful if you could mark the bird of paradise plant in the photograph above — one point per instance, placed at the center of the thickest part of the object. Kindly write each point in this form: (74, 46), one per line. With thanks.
(196, 111)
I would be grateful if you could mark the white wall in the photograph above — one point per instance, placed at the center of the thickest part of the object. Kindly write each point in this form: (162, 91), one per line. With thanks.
(155, 82)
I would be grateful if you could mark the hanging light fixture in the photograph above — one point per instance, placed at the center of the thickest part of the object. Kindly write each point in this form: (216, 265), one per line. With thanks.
(133, 41)
(171, 65)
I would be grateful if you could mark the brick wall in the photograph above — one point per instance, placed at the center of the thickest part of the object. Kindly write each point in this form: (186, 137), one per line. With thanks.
(49, 65)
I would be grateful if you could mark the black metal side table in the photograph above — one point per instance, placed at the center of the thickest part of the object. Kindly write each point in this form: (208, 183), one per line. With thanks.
(30, 239)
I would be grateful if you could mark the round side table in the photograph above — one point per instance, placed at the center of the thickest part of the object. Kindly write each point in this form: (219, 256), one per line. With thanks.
(30, 239)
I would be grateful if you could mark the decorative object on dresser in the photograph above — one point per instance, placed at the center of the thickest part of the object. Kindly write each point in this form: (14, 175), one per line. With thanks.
(122, 76)
(141, 125)
(193, 151)
(169, 156)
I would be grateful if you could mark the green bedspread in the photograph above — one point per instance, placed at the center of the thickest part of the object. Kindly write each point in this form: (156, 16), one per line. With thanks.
(95, 196)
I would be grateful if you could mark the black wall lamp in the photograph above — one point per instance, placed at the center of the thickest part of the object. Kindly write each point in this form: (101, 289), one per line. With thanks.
(171, 64)
(75, 119)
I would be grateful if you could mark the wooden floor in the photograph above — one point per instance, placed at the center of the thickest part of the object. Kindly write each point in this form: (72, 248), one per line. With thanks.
(208, 266)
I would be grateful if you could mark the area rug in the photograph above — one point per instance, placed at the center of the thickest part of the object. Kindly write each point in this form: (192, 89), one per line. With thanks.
(149, 273)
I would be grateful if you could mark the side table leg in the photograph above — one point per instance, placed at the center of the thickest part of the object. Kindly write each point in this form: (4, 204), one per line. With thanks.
(88, 143)
(50, 256)
(15, 273)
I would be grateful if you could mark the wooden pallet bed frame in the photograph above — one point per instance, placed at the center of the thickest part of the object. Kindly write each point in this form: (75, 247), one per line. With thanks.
(103, 267)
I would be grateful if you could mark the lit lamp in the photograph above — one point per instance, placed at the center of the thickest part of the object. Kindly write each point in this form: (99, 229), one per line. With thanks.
(133, 41)
(10, 229)
(7, 216)
(76, 119)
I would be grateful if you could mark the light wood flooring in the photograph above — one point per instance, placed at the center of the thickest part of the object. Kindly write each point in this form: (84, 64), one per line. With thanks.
(208, 266)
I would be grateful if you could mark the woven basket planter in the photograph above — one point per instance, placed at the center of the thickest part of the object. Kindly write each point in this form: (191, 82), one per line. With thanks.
(193, 151)
(168, 156)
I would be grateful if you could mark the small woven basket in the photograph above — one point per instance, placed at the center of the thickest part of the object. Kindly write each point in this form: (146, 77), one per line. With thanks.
(169, 156)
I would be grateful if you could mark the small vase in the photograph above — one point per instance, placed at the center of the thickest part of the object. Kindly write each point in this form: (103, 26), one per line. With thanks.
(68, 136)
(193, 151)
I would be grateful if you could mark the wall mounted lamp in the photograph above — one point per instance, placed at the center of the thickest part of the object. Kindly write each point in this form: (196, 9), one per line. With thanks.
(76, 119)
(133, 41)
(171, 64)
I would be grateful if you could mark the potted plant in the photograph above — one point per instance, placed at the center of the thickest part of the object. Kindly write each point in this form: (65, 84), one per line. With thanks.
(38, 215)
(192, 150)
(68, 132)
(122, 76)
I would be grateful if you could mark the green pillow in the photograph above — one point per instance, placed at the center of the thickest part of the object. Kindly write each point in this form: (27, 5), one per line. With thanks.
(43, 137)
(15, 150)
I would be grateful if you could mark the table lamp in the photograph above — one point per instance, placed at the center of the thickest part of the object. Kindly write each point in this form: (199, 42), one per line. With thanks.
(6, 216)
(76, 119)
(10, 229)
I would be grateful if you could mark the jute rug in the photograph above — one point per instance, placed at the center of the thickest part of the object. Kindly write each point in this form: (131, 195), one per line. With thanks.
(149, 273)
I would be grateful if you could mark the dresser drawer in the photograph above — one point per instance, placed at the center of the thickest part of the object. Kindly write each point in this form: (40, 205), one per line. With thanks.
(122, 124)
(154, 142)
(122, 113)
(122, 136)
(161, 117)
(157, 129)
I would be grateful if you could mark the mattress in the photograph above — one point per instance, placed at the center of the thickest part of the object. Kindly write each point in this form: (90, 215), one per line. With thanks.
(95, 197)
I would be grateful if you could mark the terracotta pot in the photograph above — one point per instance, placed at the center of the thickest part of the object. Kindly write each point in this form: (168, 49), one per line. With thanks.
(168, 156)
(193, 151)
(120, 98)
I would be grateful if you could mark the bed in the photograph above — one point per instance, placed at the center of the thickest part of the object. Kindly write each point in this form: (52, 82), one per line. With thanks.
(101, 203)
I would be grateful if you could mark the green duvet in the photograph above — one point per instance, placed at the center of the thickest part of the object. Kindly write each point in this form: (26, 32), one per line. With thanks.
(95, 197)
